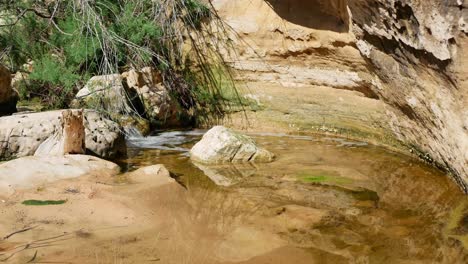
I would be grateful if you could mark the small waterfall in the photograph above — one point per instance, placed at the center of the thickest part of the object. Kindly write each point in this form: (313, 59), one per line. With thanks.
(132, 132)
(169, 140)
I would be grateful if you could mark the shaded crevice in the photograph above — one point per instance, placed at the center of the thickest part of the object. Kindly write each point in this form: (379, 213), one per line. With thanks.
(322, 15)
(393, 47)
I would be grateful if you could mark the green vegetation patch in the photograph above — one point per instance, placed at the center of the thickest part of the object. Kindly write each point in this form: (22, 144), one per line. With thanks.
(323, 178)
(59, 45)
(43, 202)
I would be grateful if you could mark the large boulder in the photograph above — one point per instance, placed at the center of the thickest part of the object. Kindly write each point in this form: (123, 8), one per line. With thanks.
(159, 107)
(222, 145)
(57, 133)
(104, 91)
(8, 96)
(28, 172)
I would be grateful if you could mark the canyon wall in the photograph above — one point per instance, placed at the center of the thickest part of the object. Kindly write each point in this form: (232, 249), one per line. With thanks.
(389, 71)
(418, 49)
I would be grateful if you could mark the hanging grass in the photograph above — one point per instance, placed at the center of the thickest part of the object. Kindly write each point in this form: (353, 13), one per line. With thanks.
(70, 41)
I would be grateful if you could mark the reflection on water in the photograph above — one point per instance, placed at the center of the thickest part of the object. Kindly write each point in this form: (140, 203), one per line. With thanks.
(376, 206)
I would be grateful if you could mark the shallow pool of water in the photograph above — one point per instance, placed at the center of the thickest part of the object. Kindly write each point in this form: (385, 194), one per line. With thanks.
(375, 206)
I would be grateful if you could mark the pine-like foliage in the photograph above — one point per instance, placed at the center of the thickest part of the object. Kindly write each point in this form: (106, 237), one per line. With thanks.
(69, 41)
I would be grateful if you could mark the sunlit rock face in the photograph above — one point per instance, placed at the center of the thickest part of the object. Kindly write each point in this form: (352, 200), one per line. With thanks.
(418, 50)
(407, 58)
(222, 145)
(59, 132)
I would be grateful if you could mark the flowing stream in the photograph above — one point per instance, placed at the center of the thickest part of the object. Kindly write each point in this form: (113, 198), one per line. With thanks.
(335, 198)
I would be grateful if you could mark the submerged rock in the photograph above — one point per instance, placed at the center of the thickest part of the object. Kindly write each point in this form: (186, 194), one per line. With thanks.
(28, 172)
(155, 175)
(8, 96)
(222, 145)
(227, 174)
(49, 133)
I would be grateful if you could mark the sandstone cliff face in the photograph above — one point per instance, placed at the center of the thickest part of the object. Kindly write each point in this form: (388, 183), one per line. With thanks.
(404, 60)
(418, 51)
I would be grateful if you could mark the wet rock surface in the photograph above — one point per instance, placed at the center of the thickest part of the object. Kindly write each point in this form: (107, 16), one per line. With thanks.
(323, 200)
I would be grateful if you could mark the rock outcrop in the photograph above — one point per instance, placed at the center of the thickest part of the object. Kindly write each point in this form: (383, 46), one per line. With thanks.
(106, 92)
(8, 96)
(417, 50)
(221, 145)
(159, 107)
(57, 133)
(406, 58)
(135, 98)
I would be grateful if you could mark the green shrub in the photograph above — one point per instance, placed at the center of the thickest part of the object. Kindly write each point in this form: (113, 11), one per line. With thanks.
(70, 41)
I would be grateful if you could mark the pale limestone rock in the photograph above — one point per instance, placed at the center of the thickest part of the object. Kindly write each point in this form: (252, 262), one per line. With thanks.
(221, 145)
(132, 98)
(104, 137)
(106, 91)
(423, 77)
(46, 133)
(32, 171)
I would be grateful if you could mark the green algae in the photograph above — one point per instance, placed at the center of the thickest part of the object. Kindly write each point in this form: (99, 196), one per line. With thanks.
(43, 202)
(323, 178)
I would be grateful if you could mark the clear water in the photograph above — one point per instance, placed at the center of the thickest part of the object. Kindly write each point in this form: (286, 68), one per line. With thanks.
(382, 207)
